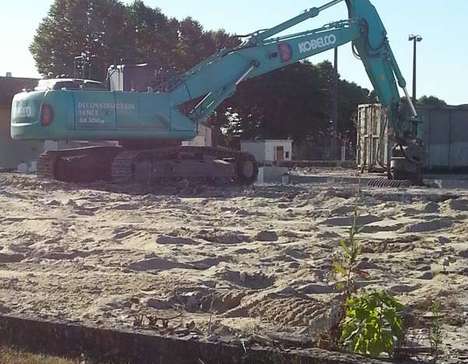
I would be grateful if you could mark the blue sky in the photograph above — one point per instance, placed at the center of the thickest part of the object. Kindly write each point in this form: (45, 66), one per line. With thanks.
(443, 54)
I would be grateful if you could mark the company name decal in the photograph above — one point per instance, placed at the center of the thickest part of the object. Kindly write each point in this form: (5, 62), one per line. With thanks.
(322, 42)
(95, 112)
(23, 111)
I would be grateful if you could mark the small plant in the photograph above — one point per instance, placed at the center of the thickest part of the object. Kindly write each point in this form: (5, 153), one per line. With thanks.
(435, 334)
(367, 323)
(373, 324)
(346, 264)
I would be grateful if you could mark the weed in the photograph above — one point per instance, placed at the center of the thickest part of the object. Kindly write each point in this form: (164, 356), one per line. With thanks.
(346, 263)
(367, 323)
(373, 324)
(345, 267)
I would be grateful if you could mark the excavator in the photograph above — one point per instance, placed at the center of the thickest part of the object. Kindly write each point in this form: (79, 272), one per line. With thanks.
(150, 120)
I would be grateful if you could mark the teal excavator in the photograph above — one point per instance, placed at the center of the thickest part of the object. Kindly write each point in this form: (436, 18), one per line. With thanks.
(151, 115)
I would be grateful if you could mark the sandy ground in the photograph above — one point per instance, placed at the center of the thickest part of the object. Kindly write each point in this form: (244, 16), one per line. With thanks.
(252, 264)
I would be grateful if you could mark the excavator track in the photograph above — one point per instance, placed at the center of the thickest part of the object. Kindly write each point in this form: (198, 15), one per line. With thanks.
(387, 183)
(163, 165)
(45, 166)
(205, 165)
(78, 165)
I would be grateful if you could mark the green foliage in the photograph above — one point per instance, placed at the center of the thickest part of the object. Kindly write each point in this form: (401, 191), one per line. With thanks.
(373, 324)
(369, 323)
(110, 32)
(345, 266)
(431, 101)
(292, 102)
(346, 263)
(98, 28)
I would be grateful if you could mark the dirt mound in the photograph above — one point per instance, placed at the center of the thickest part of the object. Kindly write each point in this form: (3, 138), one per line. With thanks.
(227, 237)
(427, 226)
(156, 264)
(101, 255)
(291, 311)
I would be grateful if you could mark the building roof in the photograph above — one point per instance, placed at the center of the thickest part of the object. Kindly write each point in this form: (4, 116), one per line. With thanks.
(257, 141)
(9, 86)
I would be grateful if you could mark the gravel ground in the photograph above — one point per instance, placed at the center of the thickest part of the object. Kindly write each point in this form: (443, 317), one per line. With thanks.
(228, 263)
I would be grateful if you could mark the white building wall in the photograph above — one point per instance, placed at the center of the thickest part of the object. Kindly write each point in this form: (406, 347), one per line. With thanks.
(257, 149)
(271, 146)
(288, 149)
(269, 151)
(265, 150)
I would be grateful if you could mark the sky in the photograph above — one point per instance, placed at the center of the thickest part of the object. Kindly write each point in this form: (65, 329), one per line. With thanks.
(442, 55)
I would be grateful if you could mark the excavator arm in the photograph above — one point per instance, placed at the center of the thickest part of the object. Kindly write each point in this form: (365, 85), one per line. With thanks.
(217, 78)
(373, 48)
(252, 60)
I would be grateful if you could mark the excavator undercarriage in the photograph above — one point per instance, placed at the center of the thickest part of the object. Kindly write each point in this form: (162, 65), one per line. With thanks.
(163, 165)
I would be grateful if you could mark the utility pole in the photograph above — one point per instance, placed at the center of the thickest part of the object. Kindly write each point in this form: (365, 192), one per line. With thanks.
(334, 108)
(415, 39)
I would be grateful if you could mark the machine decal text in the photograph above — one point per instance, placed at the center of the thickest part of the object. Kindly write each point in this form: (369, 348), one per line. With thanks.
(23, 111)
(94, 112)
(310, 45)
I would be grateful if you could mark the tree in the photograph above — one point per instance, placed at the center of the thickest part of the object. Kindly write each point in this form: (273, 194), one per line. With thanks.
(291, 102)
(155, 36)
(195, 44)
(431, 101)
(97, 28)
(285, 103)
(108, 32)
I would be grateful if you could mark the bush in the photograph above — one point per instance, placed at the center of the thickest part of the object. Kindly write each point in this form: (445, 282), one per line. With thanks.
(373, 324)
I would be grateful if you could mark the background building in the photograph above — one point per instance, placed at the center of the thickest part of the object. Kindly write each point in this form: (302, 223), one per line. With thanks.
(269, 150)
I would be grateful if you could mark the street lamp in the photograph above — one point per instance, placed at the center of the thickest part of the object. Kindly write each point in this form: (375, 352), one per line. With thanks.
(415, 39)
